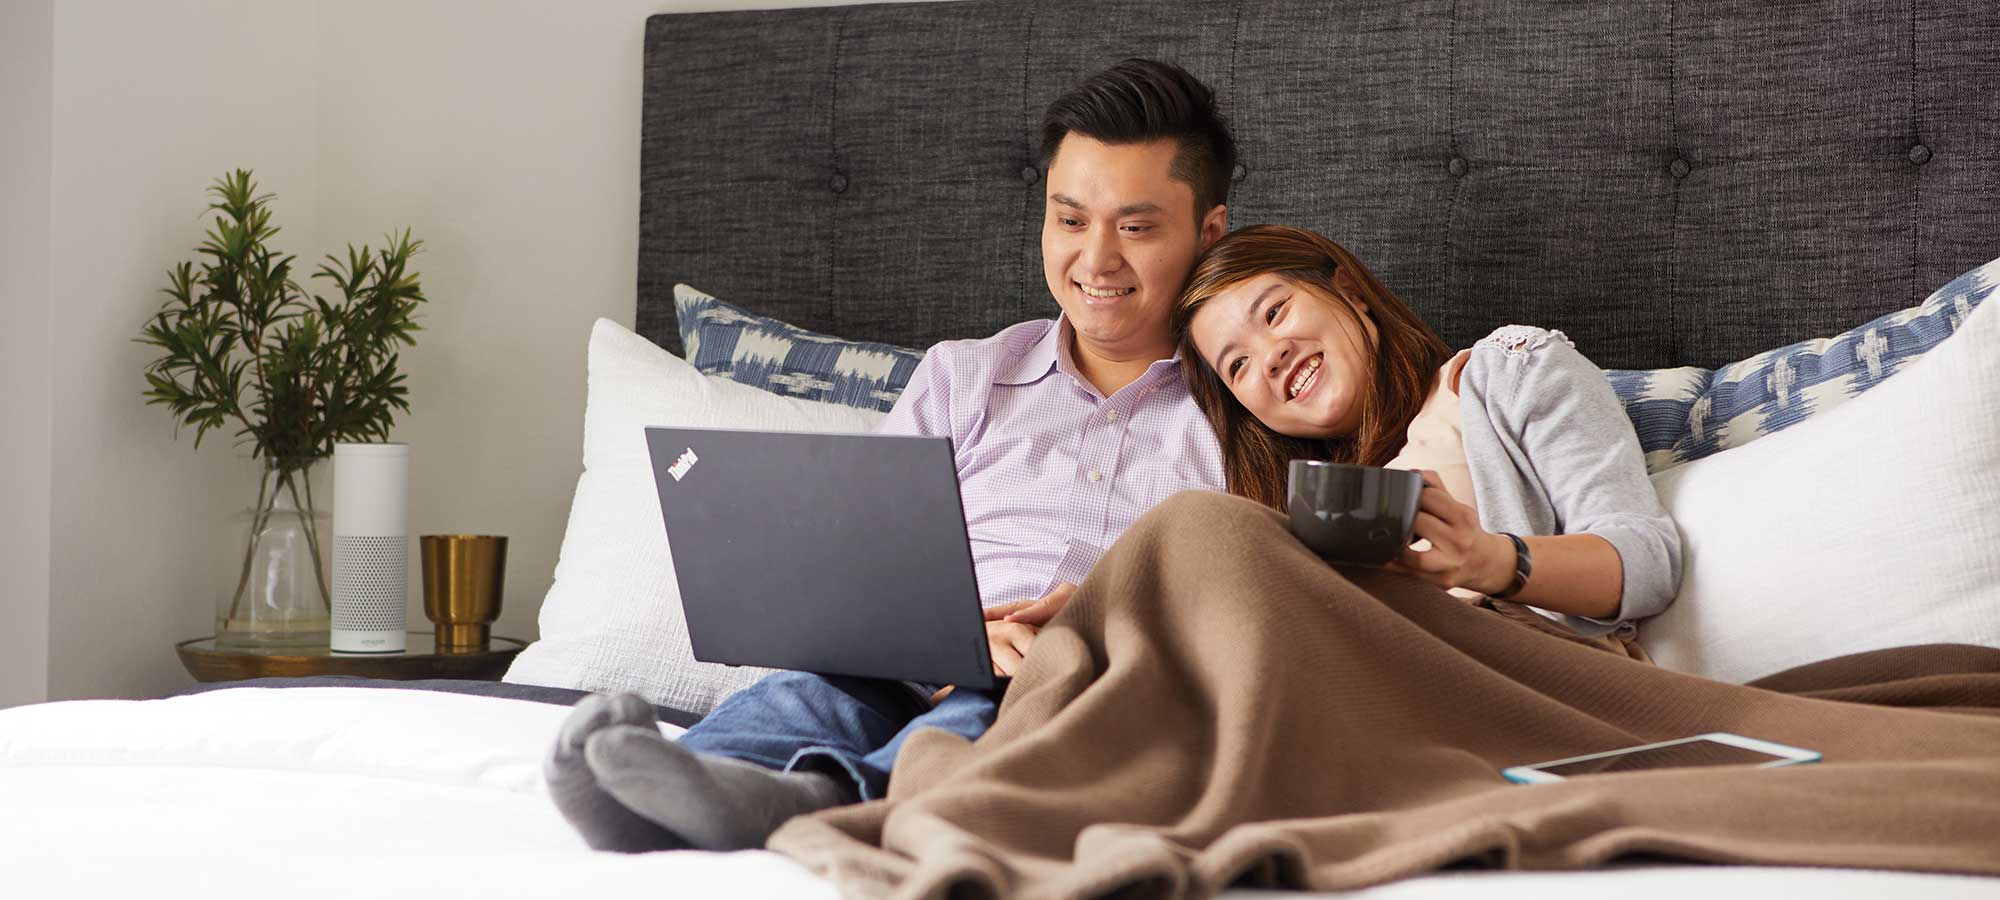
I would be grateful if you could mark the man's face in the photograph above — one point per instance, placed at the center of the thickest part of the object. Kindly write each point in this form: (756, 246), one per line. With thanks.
(1119, 236)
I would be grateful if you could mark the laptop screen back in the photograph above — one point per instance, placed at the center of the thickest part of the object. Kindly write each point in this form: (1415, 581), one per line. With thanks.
(840, 554)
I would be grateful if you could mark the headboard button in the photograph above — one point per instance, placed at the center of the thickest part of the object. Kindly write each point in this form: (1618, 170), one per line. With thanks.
(1457, 167)
(1920, 154)
(1679, 168)
(837, 184)
(1030, 174)
(1238, 173)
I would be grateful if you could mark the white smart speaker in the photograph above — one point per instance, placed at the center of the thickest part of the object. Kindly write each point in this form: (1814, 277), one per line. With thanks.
(371, 546)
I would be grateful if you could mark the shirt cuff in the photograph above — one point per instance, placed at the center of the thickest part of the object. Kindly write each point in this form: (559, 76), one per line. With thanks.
(1076, 563)
(1646, 579)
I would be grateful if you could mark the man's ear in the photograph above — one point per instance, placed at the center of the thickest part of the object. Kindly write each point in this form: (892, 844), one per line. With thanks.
(1349, 289)
(1214, 225)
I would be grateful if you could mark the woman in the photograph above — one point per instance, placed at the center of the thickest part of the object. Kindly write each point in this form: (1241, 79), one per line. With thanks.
(1536, 490)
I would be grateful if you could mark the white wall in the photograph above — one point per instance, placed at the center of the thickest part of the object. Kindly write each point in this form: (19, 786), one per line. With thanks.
(506, 135)
(26, 29)
(152, 101)
(508, 139)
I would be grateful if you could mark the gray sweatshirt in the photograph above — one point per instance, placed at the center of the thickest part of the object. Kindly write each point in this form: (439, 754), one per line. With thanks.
(1551, 452)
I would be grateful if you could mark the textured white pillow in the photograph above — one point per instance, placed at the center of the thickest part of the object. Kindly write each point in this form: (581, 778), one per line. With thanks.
(612, 621)
(1875, 524)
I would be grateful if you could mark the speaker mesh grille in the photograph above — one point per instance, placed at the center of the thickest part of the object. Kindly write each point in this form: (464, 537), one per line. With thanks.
(369, 574)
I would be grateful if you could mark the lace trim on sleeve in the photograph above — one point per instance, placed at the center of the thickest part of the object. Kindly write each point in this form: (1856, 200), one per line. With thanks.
(1520, 340)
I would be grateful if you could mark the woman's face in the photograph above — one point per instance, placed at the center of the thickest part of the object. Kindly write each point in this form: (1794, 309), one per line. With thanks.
(1292, 359)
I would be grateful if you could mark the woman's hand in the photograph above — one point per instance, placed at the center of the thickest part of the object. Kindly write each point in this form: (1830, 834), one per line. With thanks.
(1462, 554)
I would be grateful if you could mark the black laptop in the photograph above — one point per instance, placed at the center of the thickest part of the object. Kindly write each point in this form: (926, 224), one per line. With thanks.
(841, 554)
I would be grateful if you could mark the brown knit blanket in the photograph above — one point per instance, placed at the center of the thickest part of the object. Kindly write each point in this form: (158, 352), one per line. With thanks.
(1217, 706)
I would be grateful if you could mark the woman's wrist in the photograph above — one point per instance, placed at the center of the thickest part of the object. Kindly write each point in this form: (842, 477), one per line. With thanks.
(1496, 564)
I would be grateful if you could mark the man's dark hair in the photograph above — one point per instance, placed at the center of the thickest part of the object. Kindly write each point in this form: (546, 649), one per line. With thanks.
(1142, 100)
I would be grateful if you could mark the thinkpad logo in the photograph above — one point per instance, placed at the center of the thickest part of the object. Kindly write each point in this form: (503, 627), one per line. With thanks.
(683, 464)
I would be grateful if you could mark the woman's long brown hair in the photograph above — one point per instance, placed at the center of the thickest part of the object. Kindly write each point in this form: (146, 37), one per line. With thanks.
(1257, 460)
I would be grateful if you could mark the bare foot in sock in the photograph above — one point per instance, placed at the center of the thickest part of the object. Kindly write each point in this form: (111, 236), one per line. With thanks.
(604, 823)
(717, 803)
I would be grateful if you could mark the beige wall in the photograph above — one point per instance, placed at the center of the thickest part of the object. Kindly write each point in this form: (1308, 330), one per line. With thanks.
(26, 27)
(505, 134)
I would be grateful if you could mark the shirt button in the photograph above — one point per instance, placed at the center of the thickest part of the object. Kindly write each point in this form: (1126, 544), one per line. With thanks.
(1096, 476)
(1111, 415)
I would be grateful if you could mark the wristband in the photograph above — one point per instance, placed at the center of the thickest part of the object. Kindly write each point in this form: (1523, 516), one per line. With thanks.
(1524, 565)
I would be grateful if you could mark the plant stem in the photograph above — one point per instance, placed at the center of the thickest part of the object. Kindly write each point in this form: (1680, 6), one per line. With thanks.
(312, 536)
(257, 521)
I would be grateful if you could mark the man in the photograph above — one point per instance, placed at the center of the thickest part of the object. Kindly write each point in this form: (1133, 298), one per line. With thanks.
(1064, 432)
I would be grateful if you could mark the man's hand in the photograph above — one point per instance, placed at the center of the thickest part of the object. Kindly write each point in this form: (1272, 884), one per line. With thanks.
(1036, 612)
(1009, 642)
(1011, 627)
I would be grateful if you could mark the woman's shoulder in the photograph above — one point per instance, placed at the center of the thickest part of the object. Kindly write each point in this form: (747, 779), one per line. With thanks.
(1526, 347)
(1524, 355)
(1519, 341)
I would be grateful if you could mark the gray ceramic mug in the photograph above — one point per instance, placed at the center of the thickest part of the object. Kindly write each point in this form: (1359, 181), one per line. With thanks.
(1353, 515)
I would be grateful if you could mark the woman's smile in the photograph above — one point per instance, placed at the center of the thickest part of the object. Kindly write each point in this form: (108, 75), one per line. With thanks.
(1305, 377)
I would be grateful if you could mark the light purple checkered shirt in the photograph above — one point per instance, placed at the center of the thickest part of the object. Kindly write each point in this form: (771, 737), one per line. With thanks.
(1051, 472)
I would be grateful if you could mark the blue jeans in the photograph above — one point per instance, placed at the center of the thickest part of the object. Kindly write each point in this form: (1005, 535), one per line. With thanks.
(794, 721)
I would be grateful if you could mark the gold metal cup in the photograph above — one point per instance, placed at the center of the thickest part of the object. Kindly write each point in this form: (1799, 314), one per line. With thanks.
(463, 578)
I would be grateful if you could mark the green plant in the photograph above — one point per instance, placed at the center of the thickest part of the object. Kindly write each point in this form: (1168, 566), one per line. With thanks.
(241, 341)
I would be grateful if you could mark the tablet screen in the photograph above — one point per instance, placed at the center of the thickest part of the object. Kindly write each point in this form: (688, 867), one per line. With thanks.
(1702, 752)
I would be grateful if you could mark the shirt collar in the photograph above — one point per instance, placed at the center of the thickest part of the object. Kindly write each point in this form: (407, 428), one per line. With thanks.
(1041, 357)
(1051, 353)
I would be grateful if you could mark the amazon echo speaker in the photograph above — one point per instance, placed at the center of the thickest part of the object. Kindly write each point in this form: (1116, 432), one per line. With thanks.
(371, 546)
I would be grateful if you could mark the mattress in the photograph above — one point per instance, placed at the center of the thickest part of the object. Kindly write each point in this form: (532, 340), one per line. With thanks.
(307, 792)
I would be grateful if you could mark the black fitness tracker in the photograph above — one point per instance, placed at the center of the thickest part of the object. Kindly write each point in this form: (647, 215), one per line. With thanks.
(1524, 564)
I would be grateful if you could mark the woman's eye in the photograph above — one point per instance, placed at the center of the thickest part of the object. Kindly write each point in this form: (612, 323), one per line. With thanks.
(1233, 367)
(1271, 315)
(1068, 223)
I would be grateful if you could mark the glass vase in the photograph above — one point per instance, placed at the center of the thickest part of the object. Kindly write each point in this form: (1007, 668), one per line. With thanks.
(278, 597)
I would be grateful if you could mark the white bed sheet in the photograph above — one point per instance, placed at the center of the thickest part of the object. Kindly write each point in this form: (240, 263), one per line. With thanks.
(357, 792)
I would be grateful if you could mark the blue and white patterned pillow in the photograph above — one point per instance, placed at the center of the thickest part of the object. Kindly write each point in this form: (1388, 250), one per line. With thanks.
(720, 339)
(1687, 413)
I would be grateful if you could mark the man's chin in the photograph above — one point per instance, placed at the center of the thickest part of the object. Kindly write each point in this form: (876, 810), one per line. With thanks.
(1119, 333)
(1097, 327)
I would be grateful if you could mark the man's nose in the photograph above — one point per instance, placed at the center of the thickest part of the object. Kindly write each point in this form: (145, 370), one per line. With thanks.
(1100, 251)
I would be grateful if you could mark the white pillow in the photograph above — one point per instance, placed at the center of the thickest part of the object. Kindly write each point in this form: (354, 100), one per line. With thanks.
(1875, 524)
(612, 621)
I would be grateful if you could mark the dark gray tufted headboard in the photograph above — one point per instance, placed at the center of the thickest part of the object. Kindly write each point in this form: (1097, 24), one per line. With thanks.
(1668, 182)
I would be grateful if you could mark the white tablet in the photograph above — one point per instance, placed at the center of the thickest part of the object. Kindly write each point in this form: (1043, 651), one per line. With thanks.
(1717, 748)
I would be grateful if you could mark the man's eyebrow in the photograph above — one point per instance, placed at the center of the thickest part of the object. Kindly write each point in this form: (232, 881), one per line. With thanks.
(1130, 209)
(1248, 316)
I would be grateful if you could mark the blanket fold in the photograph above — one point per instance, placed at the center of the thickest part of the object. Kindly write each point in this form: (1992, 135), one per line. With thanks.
(1217, 706)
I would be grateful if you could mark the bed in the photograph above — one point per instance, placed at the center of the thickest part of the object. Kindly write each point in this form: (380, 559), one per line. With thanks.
(1670, 184)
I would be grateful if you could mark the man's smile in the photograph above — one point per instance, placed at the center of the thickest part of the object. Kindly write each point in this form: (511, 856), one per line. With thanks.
(1103, 293)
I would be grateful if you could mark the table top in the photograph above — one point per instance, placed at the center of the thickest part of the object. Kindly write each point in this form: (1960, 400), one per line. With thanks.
(420, 659)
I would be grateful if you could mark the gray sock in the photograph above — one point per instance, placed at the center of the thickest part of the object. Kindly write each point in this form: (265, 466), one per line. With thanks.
(604, 823)
(717, 803)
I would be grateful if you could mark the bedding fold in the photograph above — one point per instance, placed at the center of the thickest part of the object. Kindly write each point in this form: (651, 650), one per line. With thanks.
(1218, 707)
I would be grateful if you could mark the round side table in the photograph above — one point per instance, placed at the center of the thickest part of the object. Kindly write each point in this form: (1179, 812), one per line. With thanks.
(206, 662)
